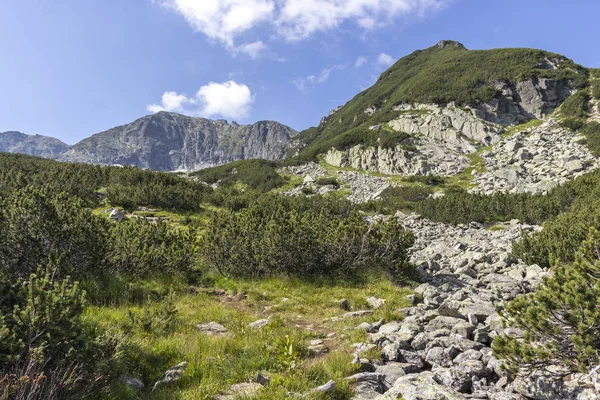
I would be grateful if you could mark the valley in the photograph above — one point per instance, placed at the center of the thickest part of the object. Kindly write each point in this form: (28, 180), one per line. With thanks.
(432, 239)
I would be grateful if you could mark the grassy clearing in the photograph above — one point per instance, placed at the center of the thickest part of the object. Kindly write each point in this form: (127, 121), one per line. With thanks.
(298, 311)
(465, 178)
(510, 131)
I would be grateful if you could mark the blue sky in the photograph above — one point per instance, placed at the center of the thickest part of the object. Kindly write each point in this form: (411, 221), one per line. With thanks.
(72, 68)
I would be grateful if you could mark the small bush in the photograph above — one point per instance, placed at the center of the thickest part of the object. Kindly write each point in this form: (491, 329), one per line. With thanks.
(576, 106)
(573, 124)
(560, 319)
(591, 131)
(139, 247)
(307, 191)
(46, 350)
(327, 181)
(430, 180)
(396, 198)
(259, 175)
(596, 90)
(36, 225)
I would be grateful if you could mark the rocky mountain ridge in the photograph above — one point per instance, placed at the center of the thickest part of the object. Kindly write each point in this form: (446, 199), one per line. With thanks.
(444, 135)
(505, 87)
(34, 145)
(169, 142)
(163, 141)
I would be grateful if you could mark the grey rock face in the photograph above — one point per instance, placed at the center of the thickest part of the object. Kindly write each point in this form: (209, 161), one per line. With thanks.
(534, 160)
(168, 142)
(533, 98)
(33, 145)
(429, 157)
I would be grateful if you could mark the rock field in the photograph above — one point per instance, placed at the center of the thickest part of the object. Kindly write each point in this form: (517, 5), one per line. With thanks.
(534, 160)
(441, 350)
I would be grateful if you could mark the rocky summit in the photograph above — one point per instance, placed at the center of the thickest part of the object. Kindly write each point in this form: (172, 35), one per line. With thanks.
(169, 142)
(34, 145)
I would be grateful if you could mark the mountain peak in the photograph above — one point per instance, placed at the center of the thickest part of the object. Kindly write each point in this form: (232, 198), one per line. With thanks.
(35, 145)
(447, 43)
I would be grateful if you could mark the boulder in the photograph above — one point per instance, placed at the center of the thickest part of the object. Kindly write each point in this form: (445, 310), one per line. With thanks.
(574, 166)
(473, 368)
(329, 387)
(213, 329)
(481, 311)
(442, 322)
(261, 323)
(375, 303)
(391, 372)
(411, 357)
(390, 328)
(464, 329)
(454, 379)
(421, 386)
(241, 390)
(367, 385)
(438, 356)
(171, 375)
(116, 215)
(469, 355)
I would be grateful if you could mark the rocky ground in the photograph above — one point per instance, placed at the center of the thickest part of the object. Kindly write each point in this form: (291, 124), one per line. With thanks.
(426, 156)
(534, 160)
(441, 350)
(362, 187)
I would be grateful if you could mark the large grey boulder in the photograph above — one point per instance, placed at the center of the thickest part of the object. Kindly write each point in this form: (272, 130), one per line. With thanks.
(454, 379)
(367, 385)
(442, 322)
(421, 386)
(116, 215)
(391, 372)
(440, 357)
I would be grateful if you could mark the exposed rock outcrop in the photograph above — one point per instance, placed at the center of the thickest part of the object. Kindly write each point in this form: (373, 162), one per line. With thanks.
(33, 145)
(459, 128)
(168, 142)
(534, 160)
(533, 98)
(444, 134)
(426, 158)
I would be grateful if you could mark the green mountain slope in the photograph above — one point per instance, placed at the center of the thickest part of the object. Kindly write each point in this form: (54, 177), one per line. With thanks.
(441, 74)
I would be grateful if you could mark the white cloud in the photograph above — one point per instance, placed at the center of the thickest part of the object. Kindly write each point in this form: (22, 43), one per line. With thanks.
(385, 60)
(253, 50)
(227, 20)
(171, 101)
(360, 61)
(227, 99)
(222, 20)
(303, 83)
